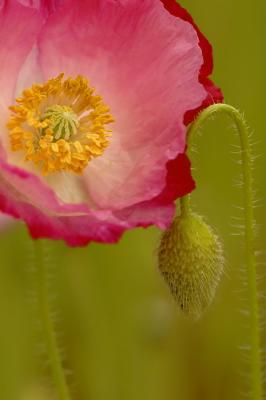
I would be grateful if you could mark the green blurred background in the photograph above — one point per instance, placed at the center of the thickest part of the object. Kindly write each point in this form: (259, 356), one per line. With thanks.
(120, 331)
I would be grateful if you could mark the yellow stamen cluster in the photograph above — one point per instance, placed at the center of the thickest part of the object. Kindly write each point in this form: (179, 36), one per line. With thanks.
(60, 125)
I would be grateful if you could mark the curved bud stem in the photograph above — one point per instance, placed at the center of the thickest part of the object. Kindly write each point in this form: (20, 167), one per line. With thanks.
(237, 117)
(47, 322)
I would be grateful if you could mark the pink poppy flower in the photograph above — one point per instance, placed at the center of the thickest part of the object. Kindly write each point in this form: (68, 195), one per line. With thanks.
(95, 98)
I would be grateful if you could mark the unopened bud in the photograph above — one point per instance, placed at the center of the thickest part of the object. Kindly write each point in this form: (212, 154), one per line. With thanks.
(191, 262)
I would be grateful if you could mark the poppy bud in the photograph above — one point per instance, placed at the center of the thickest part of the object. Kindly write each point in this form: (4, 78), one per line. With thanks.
(191, 262)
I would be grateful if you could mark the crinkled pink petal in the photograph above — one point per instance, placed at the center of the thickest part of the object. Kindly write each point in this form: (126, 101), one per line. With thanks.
(19, 27)
(76, 231)
(161, 209)
(47, 217)
(145, 63)
(45, 6)
(214, 93)
(178, 182)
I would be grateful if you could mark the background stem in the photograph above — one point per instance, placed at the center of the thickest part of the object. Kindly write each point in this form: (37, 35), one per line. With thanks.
(235, 115)
(47, 321)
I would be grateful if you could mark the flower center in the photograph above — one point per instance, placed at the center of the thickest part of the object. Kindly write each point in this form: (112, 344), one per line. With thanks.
(62, 121)
(60, 125)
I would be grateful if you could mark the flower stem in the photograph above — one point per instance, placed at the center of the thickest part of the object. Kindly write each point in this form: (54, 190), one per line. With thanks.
(185, 205)
(47, 322)
(235, 115)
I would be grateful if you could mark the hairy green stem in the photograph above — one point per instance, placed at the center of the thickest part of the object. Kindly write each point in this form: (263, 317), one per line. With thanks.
(47, 322)
(238, 119)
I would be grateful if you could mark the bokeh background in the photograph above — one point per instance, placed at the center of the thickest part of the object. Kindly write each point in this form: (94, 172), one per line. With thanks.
(120, 331)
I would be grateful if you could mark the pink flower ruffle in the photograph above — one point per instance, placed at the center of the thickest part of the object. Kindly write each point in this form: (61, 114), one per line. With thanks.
(151, 64)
